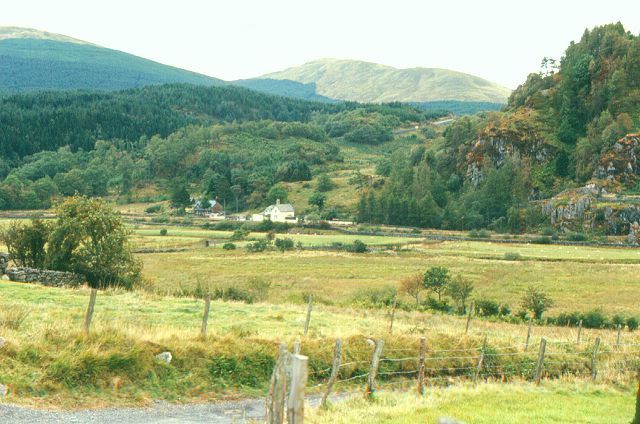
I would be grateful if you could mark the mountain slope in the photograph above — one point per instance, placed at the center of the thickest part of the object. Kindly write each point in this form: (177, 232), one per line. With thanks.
(371, 82)
(34, 60)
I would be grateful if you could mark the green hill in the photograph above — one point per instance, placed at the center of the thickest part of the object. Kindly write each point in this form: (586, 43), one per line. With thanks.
(370, 82)
(33, 60)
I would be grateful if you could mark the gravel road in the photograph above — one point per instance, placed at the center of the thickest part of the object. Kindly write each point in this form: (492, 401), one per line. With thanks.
(237, 412)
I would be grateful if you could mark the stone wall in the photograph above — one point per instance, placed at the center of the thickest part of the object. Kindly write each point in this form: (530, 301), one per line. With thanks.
(45, 277)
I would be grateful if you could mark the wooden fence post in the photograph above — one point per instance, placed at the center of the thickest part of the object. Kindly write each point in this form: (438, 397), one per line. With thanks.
(373, 368)
(421, 359)
(205, 317)
(335, 371)
(295, 403)
(393, 315)
(88, 317)
(619, 334)
(466, 331)
(480, 360)
(526, 343)
(277, 388)
(296, 347)
(594, 364)
(306, 323)
(540, 364)
(579, 332)
(636, 419)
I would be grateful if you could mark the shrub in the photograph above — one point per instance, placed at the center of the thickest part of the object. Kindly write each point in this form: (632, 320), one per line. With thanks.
(438, 305)
(536, 301)
(358, 246)
(541, 240)
(632, 323)
(239, 234)
(233, 293)
(568, 318)
(229, 246)
(512, 256)
(576, 237)
(548, 231)
(258, 246)
(375, 296)
(594, 319)
(618, 320)
(487, 307)
(154, 209)
(163, 232)
(284, 244)
(505, 310)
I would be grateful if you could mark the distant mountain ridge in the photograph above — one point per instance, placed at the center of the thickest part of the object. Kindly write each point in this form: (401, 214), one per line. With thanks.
(371, 82)
(32, 60)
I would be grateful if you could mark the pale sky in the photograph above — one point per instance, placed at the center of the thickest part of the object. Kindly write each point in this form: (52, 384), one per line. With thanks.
(502, 41)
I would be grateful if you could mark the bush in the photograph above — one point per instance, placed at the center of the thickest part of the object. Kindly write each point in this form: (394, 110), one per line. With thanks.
(487, 308)
(229, 246)
(568, 318)
(233, 293)
(505, 310)
(284, 244)
(438, 305)
(576, 237)
(154, 209)
(512, 256)
(541, 240)
(163, 232)
(258, 246)
(358, 246)
(478, 234)
(595, 319)
(375, 297)
(632, 323)
(239, 234)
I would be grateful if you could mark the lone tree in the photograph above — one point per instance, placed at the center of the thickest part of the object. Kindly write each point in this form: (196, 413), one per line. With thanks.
(436, 280)
(90, 239)
(460, 289)
(413, 286)
(536, 301)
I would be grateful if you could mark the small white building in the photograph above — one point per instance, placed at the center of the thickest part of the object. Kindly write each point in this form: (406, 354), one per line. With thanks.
(280, 212)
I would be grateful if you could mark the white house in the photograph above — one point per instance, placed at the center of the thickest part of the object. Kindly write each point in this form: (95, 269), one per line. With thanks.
(280, 212)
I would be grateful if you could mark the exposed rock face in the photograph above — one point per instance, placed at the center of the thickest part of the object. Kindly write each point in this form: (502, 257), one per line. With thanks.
(515, 135)
(45, 277)
(620, 162)
(586, 208)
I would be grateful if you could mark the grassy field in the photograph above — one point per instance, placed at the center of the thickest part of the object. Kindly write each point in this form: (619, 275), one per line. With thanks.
(581, 280)
(48, 362)
(490, 404)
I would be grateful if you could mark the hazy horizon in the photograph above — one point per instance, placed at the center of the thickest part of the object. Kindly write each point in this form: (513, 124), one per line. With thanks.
(244, 39)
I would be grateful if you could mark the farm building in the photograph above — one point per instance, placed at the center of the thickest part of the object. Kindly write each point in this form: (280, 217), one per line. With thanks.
(280, 212)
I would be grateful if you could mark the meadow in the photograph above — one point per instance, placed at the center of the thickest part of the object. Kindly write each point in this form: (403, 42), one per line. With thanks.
(48, 362)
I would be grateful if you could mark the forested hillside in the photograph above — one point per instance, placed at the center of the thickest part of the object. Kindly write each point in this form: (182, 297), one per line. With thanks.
(33, 60)
(567, 125)
(227, 143)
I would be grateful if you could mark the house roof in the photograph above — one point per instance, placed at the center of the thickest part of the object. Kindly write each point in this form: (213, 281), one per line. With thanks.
(282, 207)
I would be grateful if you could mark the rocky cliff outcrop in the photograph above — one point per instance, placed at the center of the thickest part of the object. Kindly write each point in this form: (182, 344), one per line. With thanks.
(590, 208)
(620, 162)
(515, 135)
